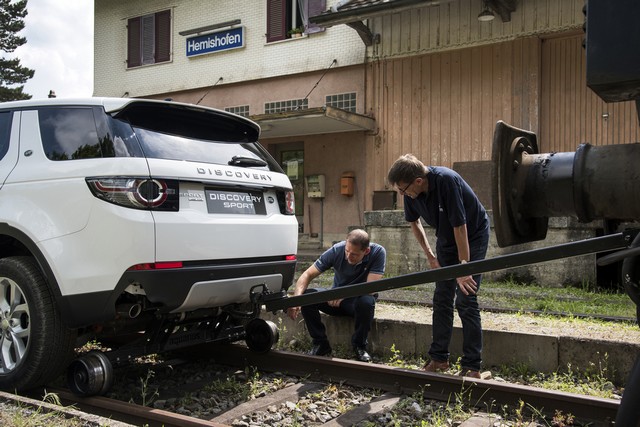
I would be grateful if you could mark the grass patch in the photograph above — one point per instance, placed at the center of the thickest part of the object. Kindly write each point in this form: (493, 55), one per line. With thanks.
(508, 295)
(592, 381)
(568, 300)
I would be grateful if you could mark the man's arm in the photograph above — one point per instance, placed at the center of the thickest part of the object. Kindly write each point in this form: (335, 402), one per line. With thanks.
(373, 276)
(466, 283)
(301, 286)
(462, 242)
(421, 236)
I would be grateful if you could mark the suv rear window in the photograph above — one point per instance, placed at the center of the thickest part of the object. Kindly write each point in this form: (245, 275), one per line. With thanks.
(150, 130)
(179, 132)
(71, 133)
(174, 147)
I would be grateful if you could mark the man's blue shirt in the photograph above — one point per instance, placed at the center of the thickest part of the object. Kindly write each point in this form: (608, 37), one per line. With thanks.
(347, 274)
(448, 203)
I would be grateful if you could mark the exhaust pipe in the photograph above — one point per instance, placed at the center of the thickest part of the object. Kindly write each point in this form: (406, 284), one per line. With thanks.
(130, 310)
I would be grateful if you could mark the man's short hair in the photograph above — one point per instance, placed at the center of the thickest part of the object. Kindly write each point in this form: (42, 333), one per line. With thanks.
(405, 169)
(358, 237)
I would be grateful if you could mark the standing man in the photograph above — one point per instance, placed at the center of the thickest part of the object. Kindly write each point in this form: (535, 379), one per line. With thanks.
(354, 260)
(446, 202)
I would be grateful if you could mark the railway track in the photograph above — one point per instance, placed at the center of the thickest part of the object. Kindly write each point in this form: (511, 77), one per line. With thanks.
(391, 384)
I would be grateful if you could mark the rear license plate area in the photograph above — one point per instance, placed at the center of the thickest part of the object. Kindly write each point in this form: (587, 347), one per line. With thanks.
(235, 202)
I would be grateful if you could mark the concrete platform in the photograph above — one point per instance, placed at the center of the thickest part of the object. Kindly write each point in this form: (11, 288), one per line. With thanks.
(543, 353)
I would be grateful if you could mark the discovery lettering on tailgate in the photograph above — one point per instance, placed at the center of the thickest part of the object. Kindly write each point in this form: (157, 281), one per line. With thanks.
(234, 174)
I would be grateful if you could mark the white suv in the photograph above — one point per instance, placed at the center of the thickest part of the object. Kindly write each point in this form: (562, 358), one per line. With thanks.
(130, 215)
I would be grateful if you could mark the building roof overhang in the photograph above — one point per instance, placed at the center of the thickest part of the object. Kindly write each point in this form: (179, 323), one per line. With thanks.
(360, 10)
(312, 121)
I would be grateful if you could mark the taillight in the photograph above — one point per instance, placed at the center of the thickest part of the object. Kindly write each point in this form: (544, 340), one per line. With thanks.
(290, 203)
(286, 202)
(137, 193)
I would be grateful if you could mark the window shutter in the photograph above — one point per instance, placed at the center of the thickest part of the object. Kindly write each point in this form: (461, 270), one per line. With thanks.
(133, 43)
(148, 39)
(316, 7)
(276, 20)
(163, 36)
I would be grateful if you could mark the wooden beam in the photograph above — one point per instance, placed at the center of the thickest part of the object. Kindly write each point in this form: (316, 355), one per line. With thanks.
(363, 31)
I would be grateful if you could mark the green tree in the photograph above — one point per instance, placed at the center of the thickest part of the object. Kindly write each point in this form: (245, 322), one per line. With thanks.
(12, 74)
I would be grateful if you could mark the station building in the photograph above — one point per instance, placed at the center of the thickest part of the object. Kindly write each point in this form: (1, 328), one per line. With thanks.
(342, 88)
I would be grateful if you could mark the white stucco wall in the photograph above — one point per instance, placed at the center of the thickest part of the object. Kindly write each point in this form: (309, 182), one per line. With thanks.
(257, 60)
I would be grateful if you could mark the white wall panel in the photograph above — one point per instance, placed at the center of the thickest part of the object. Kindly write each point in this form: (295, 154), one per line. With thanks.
(257, 60)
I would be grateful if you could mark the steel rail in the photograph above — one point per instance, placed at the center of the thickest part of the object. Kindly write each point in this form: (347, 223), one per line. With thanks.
(128, 412)
(566, 250)
(485, 394)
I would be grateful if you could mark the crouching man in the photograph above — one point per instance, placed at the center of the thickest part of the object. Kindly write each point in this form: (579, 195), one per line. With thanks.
(354, 260)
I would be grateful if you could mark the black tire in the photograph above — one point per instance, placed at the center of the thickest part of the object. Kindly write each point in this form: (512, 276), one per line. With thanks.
(36, 345)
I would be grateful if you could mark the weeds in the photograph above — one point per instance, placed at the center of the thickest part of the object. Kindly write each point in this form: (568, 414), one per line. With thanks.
(396, 358)
(593, 381)
(24, 415)
(146, 394)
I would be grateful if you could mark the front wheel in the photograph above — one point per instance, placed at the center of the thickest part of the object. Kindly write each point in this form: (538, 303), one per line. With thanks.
(35, 345)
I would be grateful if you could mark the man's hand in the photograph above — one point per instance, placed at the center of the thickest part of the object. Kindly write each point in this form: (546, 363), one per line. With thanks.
(334, 303)
(293, 312)
(468, 286)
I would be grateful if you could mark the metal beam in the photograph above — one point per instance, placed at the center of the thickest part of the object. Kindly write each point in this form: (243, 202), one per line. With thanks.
(567, 250)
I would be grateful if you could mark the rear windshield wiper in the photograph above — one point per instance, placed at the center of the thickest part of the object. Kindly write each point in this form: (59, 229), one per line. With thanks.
(246, 161)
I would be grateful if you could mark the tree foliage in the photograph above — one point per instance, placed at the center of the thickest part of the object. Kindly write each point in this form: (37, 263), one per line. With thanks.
(12, 74)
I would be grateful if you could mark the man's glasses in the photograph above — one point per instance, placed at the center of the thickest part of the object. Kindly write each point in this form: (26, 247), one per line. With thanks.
(403, 190)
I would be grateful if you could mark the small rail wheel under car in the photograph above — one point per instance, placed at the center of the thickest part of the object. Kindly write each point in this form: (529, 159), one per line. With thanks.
(261, 335)
(90, 374)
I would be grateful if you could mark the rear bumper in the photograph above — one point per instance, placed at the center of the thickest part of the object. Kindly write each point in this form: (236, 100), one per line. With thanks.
(186, 289)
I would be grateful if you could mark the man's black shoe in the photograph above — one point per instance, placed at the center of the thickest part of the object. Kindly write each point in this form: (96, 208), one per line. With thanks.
(323, 349)
(361, 354)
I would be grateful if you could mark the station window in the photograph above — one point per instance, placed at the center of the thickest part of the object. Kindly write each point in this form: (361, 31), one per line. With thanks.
(241, 110)
(149, 39)
(286, 15)
(345, 101)
(283, 106)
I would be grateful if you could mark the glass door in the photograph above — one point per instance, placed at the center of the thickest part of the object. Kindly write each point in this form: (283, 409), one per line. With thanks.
(292, 161)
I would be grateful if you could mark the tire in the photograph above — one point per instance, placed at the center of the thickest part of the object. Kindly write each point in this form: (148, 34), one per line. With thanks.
(35, 345)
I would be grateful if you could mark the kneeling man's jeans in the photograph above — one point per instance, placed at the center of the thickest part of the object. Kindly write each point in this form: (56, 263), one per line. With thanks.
(360, 308)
